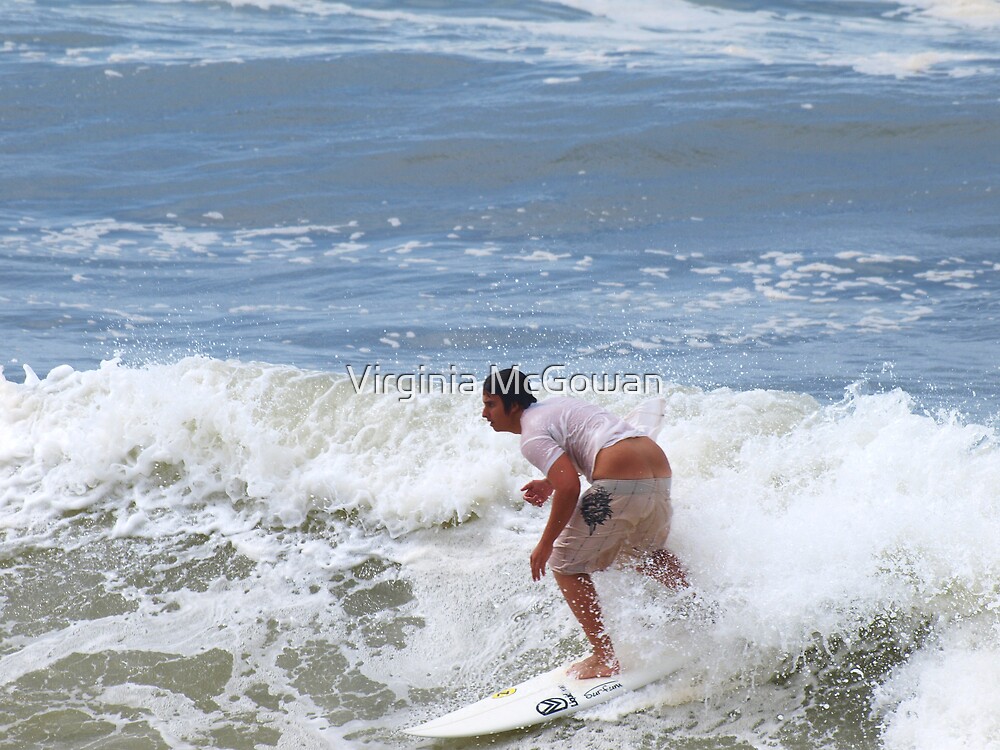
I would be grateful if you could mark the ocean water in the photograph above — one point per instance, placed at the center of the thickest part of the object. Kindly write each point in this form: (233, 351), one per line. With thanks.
(253, 254)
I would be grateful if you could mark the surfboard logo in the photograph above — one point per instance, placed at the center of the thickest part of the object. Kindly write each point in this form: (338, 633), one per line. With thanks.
(604, 687)
(504, 693)
(551, 706)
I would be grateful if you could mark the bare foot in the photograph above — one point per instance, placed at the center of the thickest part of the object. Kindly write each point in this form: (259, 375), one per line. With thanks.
(594, 666)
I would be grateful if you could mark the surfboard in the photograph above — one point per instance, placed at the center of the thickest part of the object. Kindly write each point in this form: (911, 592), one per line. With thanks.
(548, 696)
(648, 416)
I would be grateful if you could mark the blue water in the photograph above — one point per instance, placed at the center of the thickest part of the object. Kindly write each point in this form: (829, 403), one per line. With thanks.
(793, 196)
(296, 182)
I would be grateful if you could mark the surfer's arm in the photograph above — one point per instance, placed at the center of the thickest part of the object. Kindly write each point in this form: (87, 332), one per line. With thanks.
(566, 487)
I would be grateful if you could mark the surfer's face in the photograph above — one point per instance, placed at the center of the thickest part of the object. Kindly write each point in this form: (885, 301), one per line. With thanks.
(499, 418)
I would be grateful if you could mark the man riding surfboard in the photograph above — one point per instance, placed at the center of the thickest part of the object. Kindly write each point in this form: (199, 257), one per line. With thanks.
(624, 514)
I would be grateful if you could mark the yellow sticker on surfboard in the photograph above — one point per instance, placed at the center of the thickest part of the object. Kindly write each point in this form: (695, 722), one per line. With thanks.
(505, 693)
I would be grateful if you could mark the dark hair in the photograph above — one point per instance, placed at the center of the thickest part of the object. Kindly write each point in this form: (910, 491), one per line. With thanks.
(511, 385)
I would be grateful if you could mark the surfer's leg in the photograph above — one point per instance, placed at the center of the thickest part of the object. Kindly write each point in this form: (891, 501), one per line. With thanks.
(663, 566)
(651, 512)
(581, 596)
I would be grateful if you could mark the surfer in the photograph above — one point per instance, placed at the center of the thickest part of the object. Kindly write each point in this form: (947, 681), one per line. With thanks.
(625, 513)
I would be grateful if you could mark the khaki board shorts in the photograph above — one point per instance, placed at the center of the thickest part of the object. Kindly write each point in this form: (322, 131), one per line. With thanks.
(628, 517)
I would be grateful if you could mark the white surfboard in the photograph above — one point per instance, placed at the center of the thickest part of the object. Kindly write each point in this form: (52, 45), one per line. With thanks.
(547, 696)
(648, 416)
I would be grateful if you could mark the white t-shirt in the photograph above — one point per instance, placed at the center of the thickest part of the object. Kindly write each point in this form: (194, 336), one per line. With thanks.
(555, 426)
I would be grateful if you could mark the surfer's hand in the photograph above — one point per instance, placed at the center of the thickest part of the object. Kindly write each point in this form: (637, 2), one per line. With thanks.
(539, 556)
(537, 491)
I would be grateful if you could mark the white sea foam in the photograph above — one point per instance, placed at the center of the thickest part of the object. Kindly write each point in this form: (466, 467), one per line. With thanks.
(632, 35)
(804, 526)
(800, 523)
(224, 430)
(984, 14)
(945, 697)
(904, 65)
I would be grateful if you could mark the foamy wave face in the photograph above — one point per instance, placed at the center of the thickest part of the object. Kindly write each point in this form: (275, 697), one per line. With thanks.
(946, 696)
(846, 539)
(867, 499)
(240, 444)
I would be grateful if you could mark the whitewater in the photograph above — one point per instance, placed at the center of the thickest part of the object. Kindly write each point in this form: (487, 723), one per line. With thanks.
(257, 255)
